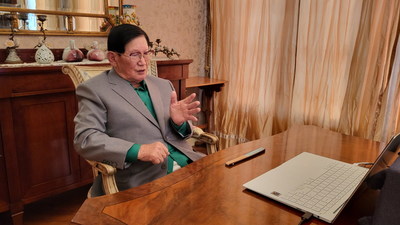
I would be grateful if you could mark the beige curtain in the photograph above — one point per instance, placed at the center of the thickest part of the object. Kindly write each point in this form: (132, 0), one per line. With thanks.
(366, 101)
(258, 66)
(328, 63)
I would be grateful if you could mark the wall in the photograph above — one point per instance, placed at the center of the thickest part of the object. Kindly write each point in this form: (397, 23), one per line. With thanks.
(180, 24)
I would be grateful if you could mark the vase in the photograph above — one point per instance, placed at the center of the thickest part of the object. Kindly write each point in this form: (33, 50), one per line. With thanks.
(95, 54)
(71, 53)
(44, 55)
(12, 57)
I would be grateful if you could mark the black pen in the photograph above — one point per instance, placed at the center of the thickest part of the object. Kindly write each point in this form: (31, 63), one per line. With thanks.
(245, 156)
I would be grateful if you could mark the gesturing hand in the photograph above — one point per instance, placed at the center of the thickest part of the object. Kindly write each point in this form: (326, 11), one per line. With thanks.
(155, 152)
(183, 110)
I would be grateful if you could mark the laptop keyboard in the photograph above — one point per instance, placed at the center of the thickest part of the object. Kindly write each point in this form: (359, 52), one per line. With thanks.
(321, 193)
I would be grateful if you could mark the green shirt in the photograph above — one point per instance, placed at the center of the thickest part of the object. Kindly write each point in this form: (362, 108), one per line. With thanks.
(174, 154)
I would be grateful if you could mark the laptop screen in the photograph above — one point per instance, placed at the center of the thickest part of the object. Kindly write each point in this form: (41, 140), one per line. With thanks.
(387, 157)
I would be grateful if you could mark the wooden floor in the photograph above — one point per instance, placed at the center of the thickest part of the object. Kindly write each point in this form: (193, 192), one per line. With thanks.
(57, 210)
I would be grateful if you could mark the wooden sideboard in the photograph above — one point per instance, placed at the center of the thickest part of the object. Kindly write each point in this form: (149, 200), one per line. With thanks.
(37, 157)
(37, 107)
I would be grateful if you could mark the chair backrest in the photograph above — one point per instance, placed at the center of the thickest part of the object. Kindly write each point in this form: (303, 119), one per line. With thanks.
(79, 74)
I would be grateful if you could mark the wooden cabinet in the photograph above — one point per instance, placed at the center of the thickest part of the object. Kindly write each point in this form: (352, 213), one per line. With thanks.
(37, 157)
(46, 158)
(4, 199)
(37, 107)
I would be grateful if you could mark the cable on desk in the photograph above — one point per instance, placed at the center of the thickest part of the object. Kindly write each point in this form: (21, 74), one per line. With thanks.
(306, 216)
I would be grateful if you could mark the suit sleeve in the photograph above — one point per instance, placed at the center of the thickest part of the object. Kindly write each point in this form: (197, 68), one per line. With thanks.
(91, 140)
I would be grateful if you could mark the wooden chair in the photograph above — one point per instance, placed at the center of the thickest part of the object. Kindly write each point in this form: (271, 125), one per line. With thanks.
(81, 73)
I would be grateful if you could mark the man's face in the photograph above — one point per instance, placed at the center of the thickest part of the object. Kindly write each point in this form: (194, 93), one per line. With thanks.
(133, 63)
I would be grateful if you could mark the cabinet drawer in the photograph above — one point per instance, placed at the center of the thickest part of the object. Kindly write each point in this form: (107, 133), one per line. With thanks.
(32, 82)
(171, 72)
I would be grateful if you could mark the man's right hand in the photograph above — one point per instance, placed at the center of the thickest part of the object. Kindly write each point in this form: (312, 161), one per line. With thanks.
(155, 152)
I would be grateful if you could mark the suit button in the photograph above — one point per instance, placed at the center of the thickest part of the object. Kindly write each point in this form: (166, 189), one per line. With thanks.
(163, 166)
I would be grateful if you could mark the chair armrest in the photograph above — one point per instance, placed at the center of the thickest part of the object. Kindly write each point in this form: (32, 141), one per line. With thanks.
(210, 139)
(107, 173)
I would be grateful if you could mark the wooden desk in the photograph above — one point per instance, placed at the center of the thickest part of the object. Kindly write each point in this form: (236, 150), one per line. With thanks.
(207, 192)
(209, 86)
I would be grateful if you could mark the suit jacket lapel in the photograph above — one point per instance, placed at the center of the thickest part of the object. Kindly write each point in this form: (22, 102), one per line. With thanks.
(157, 102)
(127, 92)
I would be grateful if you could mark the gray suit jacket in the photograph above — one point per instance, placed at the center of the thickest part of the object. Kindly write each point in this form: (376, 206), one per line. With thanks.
(112, 117)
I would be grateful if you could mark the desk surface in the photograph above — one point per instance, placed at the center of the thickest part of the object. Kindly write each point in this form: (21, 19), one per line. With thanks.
(207, 192)
(203, 81)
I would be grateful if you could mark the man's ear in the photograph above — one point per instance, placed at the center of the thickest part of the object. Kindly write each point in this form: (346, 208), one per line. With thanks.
(111, 56)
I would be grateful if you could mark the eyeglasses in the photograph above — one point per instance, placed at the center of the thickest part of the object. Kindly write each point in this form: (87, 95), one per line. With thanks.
(137, 56)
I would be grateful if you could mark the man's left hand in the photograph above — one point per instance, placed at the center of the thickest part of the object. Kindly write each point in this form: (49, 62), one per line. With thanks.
(183, 110)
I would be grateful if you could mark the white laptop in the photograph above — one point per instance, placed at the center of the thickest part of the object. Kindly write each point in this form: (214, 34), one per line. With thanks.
(319, 185)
